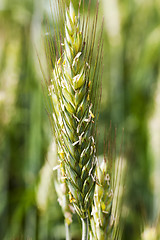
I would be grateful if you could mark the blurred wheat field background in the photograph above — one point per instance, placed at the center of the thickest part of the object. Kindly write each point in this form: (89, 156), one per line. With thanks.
(130, 100)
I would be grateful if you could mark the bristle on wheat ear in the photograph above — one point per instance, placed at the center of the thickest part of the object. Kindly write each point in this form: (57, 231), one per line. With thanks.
(74, 93)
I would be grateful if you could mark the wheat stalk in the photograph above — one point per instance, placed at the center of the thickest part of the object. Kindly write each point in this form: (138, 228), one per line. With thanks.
(74, 93)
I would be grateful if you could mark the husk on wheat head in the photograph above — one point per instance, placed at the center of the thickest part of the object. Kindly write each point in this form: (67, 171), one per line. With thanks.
(74, 94)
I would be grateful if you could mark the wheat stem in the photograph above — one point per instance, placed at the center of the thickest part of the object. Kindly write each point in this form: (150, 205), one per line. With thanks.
(67, 229)
(85, 228)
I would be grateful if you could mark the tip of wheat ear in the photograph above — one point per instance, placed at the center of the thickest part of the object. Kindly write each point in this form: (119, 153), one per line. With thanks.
(71, 94)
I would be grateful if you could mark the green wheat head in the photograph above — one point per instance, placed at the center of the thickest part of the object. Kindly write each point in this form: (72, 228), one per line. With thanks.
(74, 97)
(107, 198)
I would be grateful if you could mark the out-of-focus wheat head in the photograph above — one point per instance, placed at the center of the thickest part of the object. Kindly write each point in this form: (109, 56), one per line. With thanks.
(152, 232)
(74, 99)
(107, 199)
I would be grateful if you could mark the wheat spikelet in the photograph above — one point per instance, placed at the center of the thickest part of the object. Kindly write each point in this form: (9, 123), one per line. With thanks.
(75, 97)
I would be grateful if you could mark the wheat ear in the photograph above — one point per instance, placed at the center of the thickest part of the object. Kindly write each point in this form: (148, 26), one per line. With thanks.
(107, 199)
(74, 89)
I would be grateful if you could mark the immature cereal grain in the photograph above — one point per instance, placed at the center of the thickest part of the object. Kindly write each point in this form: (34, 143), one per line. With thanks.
(75, 94)
(75, 115)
